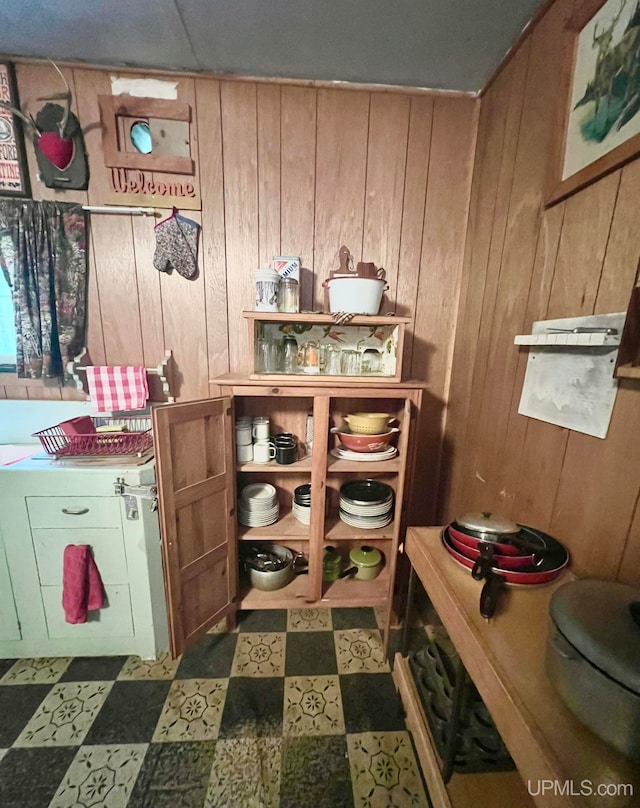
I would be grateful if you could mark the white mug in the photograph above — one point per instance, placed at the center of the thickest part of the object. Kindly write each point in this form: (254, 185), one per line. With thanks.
(263, 451)
(243, 434)
(260, 428)
(244, 452)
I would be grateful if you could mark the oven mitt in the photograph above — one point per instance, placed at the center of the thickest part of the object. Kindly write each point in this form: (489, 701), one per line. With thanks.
(177, 245)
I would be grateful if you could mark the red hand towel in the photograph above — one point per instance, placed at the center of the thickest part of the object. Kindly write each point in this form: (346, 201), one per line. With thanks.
(81, 583)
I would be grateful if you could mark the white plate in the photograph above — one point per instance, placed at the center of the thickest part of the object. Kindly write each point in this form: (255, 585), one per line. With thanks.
(355, 521)
(364, 457)
(258, 491)
(359, 510)
(253, 523)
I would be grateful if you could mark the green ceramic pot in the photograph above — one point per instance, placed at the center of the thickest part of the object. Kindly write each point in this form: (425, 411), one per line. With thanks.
(368, 562)
(331, 565)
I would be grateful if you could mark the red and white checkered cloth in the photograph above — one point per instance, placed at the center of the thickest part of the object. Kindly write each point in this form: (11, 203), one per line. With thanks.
(113, 389)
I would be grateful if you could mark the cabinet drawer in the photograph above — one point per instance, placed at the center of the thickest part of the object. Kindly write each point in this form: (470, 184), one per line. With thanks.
(113, 621)
(106, 543)
(74, 512)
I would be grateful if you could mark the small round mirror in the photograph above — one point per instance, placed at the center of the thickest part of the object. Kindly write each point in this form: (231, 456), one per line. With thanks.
(140, 136)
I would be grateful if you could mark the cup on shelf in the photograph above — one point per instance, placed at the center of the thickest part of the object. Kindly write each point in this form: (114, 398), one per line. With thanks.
(243, 433)
(263, 451)
(244, 452)
(333, 360)
(350, 363)
(260, 428)
(286, 448)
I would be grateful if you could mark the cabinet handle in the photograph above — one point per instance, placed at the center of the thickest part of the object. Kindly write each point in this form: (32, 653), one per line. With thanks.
(75, 511)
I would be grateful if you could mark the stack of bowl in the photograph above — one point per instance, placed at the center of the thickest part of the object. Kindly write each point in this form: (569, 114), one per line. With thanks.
(366, 433)
(258, 505)
(366, 504)
(301, 507)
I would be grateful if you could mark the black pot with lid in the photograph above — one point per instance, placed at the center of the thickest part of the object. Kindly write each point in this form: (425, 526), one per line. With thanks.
(593, 658)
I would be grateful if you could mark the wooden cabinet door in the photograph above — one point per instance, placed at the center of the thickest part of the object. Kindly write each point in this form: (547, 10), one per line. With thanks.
(196, 492)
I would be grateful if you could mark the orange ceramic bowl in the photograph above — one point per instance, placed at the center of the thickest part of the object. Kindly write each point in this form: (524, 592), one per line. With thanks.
(365, 443)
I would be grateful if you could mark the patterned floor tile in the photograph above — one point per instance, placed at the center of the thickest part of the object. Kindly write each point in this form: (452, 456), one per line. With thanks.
(363, 617)
(219, 628)
(17, 706)
(309, 620)
(84, 669)
(253, 708)
(259, 654)
(129, 714)
(371, 703)
(41, 671)
(310, 653)
(29, 777)
(384, 771)
(192, 711)
(66, 714)
(380, 613)
(3, 752)
(315, 772)
(245, 772)
(262, 620)
(100, 776)
(174, 775)
(312, 706)
(360, 650)
(210, 658)
(162, 668)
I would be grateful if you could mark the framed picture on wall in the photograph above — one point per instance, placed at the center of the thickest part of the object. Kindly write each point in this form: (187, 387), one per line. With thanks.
(14, 175)
(600, 116)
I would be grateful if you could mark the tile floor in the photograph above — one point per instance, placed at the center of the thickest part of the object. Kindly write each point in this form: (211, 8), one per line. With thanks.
(292, 709)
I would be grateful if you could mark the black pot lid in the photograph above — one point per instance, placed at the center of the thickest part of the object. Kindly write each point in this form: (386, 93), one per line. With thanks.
(366, 492)
(487, 522)
(595, 618)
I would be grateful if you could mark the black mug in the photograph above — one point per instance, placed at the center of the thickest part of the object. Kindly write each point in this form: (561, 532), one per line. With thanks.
(284, 439)
(286, 454)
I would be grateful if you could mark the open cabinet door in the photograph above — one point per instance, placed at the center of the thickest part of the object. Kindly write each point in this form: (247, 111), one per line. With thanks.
(196, 490)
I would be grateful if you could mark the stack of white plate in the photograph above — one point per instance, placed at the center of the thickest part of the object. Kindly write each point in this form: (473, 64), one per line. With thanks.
(366, 504)
(364, 457)
(258, 505)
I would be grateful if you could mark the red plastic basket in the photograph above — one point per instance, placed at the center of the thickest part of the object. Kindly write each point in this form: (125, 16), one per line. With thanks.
(135, 439)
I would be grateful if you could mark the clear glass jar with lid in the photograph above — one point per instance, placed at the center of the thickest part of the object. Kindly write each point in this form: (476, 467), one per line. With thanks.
(289, 295)
(290, 354)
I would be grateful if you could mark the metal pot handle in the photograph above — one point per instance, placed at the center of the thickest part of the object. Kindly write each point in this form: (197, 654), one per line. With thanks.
(489, 595)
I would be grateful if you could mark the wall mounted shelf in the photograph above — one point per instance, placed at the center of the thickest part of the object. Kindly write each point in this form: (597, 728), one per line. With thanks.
(158, 391)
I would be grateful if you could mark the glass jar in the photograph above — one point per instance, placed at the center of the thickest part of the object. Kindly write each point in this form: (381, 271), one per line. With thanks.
(289, 295)
(290, 355)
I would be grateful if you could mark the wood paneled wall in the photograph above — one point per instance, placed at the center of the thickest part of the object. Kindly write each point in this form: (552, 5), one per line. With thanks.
(524, 263)
(292, 170)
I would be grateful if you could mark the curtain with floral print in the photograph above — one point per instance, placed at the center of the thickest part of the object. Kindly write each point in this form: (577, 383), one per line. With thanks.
(45, 262)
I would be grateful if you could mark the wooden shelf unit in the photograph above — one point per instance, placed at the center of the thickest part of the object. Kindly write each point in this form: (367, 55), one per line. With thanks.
(287, 406)
(505, 658)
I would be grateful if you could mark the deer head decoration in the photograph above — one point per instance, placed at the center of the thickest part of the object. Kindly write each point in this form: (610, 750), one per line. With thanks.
(57, 139)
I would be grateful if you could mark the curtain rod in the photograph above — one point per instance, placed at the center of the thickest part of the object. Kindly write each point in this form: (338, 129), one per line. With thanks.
(131, 211)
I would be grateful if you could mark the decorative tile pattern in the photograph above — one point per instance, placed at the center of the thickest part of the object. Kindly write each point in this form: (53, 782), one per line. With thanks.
(309, 620)
(192, 711)
(210, 658)
(259, 655)
(219, 628)
(65, 716)
(384, 772)
(263, 620)
(371, 703)
(100, 776)
(245, 772)
(362, 617)
(380, 613)
(312, 706)
(3, 752)
(360, 650)
(162, 668)
(45, 670)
